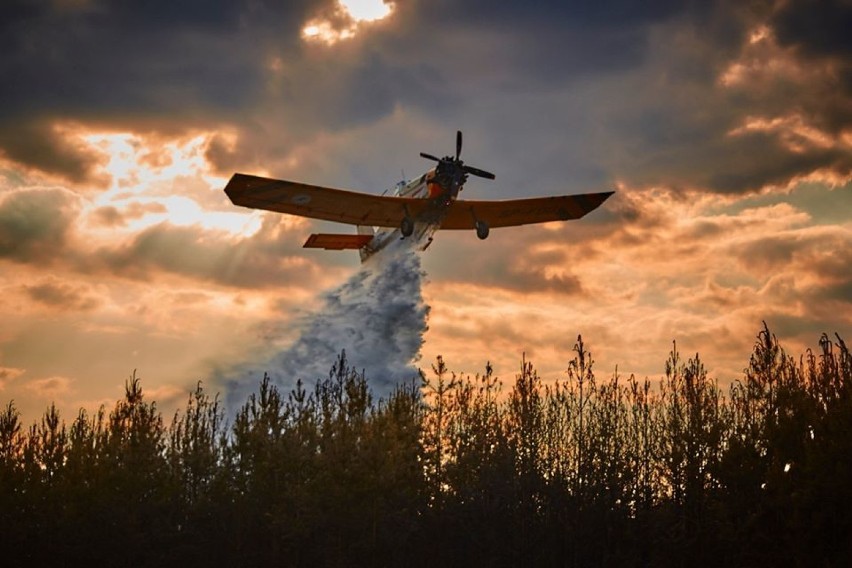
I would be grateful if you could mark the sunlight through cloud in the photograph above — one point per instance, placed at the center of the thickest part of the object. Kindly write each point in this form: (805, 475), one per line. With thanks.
(135, 162)
(143, 189)
(346, 19)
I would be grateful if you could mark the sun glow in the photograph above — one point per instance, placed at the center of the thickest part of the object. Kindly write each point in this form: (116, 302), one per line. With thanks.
(136, 161)
(346, 20)
(367, 10)
(153, 180)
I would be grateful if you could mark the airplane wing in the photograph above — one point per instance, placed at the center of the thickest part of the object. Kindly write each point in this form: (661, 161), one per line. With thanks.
(319, 202)
(355, 208)
(511, 213)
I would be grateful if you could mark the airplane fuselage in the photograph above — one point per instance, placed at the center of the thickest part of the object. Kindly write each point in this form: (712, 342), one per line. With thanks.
(428, 187)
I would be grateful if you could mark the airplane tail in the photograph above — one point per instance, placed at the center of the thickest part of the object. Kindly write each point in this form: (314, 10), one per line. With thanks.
(329, 241)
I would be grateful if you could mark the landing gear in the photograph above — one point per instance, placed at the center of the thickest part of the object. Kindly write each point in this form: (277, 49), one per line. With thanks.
(406, 227)
(482, 230)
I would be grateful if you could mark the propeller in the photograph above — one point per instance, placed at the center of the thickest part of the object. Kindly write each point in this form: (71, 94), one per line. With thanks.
(456, 163)
(479, 173)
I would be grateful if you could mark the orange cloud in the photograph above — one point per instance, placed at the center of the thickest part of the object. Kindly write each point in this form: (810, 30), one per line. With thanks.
(59, 295)
(50, 388)
(8, 374)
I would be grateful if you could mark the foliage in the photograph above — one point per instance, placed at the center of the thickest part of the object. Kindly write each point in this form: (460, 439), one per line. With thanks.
(455, 470)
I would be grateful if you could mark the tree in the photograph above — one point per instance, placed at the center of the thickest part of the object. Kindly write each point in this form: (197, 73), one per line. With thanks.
(690, 434)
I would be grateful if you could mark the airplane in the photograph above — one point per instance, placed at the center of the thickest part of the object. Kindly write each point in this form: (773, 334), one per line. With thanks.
(416, 209)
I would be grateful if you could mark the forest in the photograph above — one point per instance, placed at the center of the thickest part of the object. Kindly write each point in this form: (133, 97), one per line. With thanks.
(451, 470)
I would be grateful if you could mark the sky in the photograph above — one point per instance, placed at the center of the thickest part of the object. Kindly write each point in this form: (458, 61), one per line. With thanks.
(724, 126)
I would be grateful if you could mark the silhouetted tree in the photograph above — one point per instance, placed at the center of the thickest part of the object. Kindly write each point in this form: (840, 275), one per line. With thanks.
(690, 435)
(451, 471)
(439, 397)
(12, 487)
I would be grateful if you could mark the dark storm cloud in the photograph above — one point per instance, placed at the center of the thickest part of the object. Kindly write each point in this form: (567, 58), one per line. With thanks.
(36, 143)
(760, 160)
(581, 96)
(172, 65)
(114, 59)
(817, 28)
(129, 64)
(554, 41)
(819, 32)
(676, 124)
(35, 224)
(667, 120)
(594, 91)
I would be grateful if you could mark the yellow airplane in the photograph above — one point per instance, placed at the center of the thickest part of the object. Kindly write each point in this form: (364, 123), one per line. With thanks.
(416, 208)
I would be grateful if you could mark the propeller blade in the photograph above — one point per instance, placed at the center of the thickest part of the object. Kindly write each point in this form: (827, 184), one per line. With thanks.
(458, 143)
(429, 157)
(479, 173)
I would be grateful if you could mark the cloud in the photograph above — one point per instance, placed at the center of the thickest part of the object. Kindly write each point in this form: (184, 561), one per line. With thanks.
(602, 93)
(35, 223)
(59, 295)
(540, 45)
(162, 60)
(53, 226)
(818, 34)
(167, 395)
(47, 146)
(270, 257)
(108, 216)
(655, 265)
(111, 216)
(50, 387)
(807, 251)
(9, 374)
(699, 132)
(511, 259)
(817, 30)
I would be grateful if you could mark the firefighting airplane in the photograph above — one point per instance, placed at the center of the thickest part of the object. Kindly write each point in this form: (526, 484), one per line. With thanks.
(416, 209)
